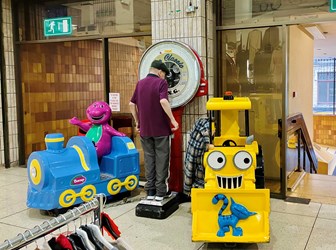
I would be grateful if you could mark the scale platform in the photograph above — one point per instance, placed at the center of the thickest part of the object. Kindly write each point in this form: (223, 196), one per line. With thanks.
(157, 209)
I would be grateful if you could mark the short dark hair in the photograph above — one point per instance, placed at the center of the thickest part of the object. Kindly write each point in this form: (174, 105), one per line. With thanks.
(158, 64)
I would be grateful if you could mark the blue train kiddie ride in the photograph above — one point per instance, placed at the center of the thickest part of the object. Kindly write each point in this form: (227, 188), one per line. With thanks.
(60, 177)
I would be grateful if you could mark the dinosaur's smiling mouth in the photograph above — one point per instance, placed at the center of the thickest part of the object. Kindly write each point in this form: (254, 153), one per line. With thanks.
(97, 118)
(232, 182)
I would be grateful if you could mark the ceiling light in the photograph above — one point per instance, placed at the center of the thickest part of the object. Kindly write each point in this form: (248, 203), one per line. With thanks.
(316, 32)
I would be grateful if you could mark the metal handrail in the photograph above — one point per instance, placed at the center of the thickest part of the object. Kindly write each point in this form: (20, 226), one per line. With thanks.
(296, 124)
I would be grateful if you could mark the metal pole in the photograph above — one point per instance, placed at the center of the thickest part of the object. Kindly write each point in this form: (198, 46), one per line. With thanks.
(334, 84)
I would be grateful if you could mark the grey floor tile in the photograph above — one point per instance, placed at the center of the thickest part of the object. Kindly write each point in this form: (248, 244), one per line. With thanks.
(28, 218)
(289, 231)
(311, 209)
(327, 211)
(8, 179)
(323, 235)
(18, 171)
(119, 209)
(12, 209)
(171, 233)
(14, 193)
(8, 231)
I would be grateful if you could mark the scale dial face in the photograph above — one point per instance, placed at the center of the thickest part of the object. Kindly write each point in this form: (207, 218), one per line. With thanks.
(184, 69)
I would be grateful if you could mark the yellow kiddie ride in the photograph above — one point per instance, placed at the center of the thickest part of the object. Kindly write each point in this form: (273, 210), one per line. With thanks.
(230, 208)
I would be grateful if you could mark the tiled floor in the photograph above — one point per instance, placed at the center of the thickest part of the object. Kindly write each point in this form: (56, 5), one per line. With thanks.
(293, 226)
(318, 188)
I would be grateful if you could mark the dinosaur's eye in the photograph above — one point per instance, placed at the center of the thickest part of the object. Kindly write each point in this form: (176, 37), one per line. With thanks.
(216, 160)
(242, 160)
(102, 106)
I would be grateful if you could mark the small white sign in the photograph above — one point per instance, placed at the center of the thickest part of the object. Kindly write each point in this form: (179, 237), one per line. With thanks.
(114, 101)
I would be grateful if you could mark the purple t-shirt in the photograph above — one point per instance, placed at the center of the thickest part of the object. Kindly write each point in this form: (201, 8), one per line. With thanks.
(153, 121)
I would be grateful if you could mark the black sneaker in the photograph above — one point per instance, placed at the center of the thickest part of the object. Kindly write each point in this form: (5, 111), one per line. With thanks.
(168, 194)
(151, 194)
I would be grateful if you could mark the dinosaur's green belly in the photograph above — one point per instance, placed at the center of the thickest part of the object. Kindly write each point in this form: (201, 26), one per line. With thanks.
(95, 133)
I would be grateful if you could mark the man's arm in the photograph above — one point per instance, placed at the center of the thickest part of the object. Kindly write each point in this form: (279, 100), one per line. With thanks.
(134, 111)
(166, 107)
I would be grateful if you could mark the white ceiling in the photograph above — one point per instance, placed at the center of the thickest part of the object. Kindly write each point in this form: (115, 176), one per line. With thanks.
(326, 47)
(301, 11)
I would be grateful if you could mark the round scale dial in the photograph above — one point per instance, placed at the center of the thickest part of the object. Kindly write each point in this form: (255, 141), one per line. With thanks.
(184, 69)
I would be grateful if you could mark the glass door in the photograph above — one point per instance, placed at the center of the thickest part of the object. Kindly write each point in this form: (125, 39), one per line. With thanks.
(251, 64)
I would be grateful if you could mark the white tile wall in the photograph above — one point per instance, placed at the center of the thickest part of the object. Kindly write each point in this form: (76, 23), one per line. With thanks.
(171, 21)
(2, 158)
(10, 86)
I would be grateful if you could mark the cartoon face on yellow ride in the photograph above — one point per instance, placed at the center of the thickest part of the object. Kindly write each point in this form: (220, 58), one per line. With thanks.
(231, 167)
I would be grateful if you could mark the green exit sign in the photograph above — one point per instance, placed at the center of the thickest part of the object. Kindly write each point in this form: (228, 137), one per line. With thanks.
(58, 26)
(332, 5)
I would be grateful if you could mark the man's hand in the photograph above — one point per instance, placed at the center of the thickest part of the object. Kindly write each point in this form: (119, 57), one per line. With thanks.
(137, 127)
(175, 125)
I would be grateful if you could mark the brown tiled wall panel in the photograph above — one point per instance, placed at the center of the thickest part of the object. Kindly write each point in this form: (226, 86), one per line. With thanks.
(59, 81)
(124, 61)
(325, 130)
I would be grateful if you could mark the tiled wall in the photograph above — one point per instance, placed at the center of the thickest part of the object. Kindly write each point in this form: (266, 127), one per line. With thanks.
(325, 130)
(9, 77)
(59, 81)
(170, 20)
(124, 59)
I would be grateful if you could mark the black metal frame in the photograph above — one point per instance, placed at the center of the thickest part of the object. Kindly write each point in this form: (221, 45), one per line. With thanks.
(4, 102)
(218, 86)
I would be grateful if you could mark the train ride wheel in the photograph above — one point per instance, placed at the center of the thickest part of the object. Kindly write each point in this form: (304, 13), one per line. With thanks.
(67, 198)
(131, 182)
(114, 186)
(88, 192)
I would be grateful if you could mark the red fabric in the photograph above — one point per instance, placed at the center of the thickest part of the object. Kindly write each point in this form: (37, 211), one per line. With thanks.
(111, 228)
(64, 242)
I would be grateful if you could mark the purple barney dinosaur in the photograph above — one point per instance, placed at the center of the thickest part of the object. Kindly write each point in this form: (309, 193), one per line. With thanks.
(98, 129)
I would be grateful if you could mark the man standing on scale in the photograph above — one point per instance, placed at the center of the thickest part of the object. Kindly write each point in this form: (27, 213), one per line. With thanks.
(153, 117)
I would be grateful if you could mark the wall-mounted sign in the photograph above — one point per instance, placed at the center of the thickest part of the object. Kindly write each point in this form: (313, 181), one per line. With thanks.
(332, 6)
(58, 26)
(185, 72)
(114, 101)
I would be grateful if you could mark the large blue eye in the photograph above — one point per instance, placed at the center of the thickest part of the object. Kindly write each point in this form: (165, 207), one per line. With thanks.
(242, 160)
(216, 160)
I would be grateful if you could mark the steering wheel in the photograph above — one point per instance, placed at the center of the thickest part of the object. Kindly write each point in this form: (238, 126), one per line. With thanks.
(228, 143)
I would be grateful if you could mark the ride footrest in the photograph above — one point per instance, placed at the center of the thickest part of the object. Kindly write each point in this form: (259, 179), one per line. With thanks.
(157, 209)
